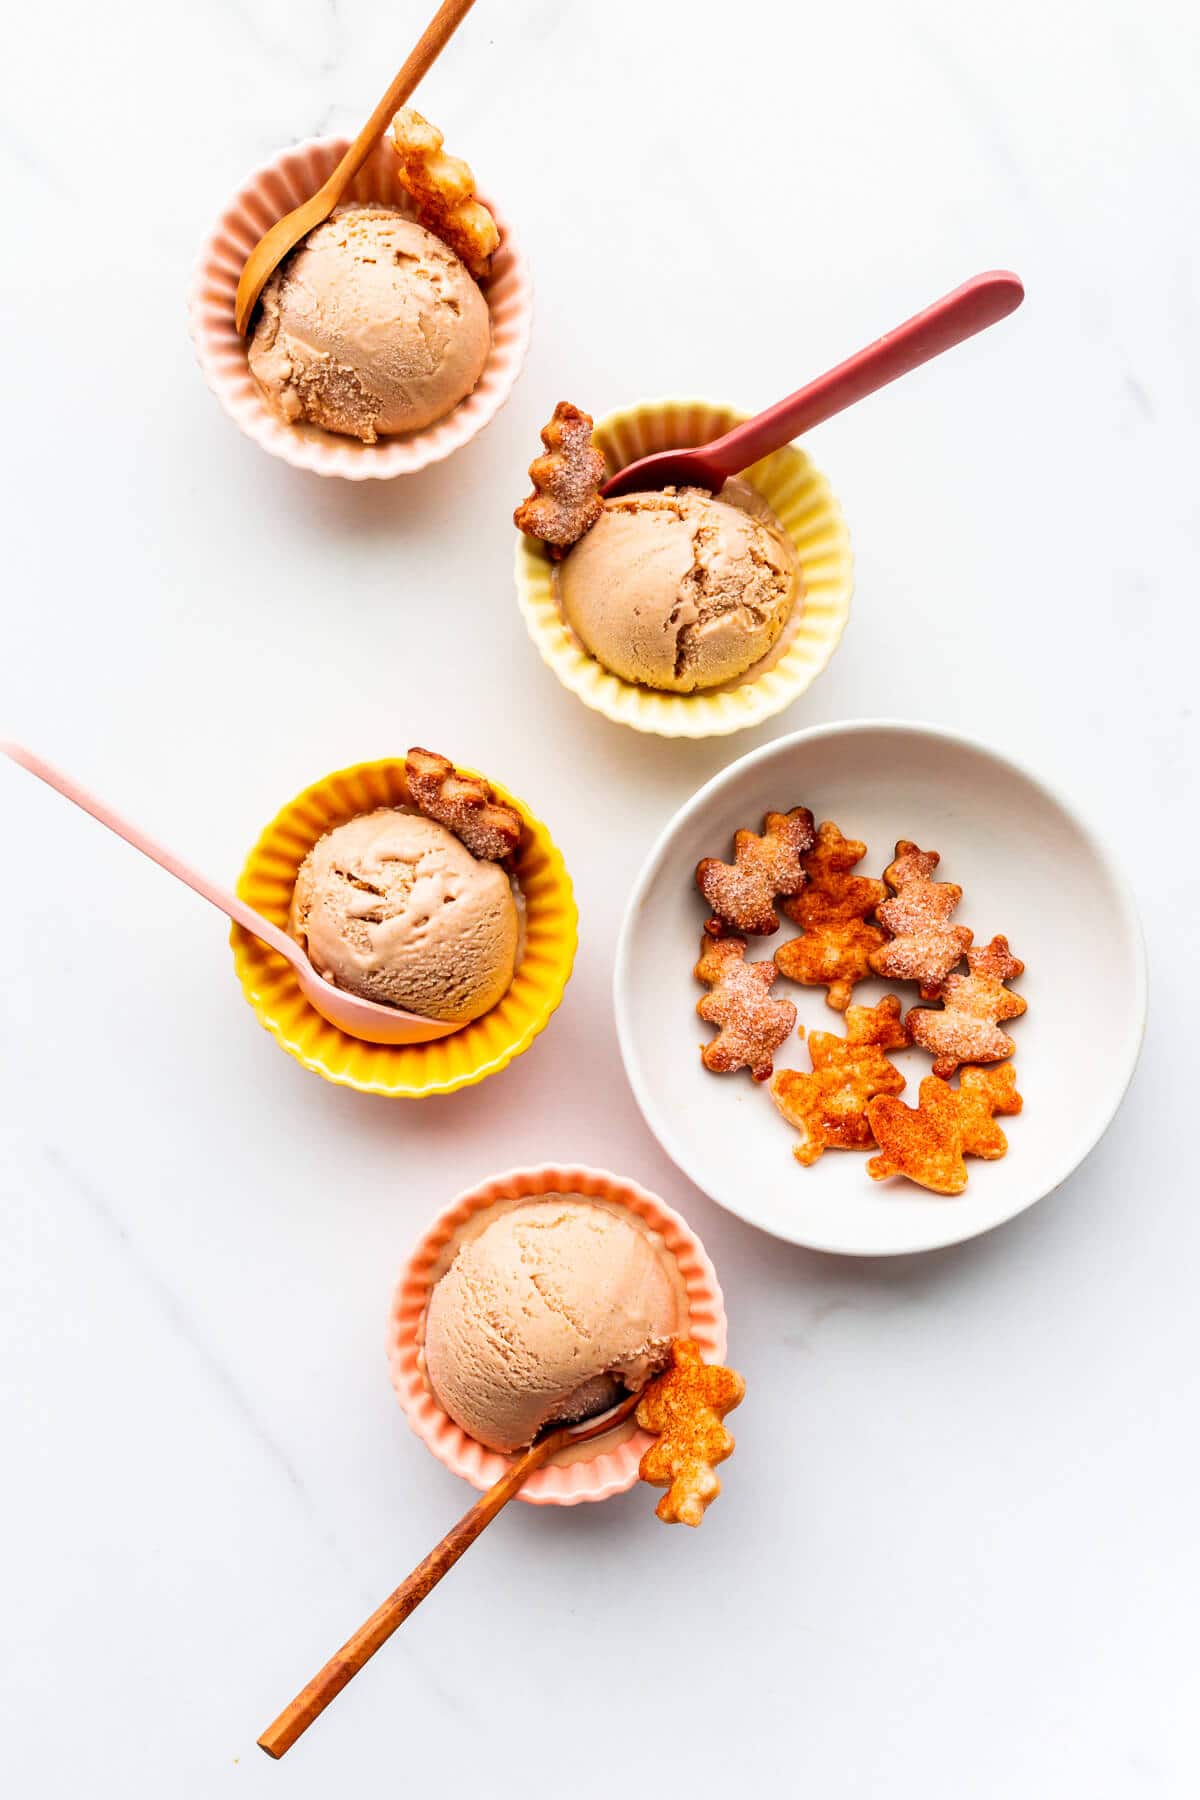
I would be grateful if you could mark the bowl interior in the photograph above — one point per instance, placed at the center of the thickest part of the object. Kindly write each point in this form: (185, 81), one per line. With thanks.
(410, 1071)
(801, 499)
(291, 178)
(1028, 869)
(609, 1464)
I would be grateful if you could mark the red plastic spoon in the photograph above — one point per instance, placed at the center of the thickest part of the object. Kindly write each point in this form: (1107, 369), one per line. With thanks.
(978, 303)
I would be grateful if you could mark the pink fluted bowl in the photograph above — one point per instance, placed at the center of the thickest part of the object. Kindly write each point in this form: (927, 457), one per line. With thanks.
(275, 189)
(611, 1467)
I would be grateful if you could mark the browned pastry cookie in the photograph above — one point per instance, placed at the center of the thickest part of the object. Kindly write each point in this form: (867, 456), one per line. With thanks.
(752, 1024)
(442, 189)
(684, 1408)
(924, 946)
(565, 501)
(829, 1106)
(927, 1142)
(966, 1029)
(464, 804)
(833, 909)
(742, 893)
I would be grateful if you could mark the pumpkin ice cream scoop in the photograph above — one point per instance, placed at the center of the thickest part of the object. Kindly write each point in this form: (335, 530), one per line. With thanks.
(394, 907)
(372, 326)
(552, 1311)
(680, 590)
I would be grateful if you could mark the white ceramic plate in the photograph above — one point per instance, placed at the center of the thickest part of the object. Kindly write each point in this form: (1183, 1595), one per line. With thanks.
(1029, 868)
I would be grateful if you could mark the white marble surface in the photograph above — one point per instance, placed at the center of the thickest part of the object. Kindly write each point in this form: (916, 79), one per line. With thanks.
(957, 1552)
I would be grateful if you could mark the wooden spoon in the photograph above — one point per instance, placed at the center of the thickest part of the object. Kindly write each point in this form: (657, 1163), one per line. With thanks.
(358, 1650)
(287, 232)
(359, 1018)
(974, 306)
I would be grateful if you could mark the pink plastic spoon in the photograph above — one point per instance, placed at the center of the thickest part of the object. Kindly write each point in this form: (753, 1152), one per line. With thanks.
(978, 303)
(360, 1018)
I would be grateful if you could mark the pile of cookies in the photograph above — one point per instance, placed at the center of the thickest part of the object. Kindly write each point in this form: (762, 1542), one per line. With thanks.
(899, 928)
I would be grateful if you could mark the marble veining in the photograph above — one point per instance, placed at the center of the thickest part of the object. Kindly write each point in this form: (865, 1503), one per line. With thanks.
(954, 1473)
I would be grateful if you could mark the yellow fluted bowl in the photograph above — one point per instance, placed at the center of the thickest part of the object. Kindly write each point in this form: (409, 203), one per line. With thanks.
(401, 1071)
(801, 499)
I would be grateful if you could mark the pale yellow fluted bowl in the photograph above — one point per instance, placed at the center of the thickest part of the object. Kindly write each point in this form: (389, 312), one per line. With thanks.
(803, 502)
(401, 1071)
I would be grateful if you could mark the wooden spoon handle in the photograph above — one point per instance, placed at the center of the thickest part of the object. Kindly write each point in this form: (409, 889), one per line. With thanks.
(432, 42)
(358, 1650)
(974, 306)
(311, 1701)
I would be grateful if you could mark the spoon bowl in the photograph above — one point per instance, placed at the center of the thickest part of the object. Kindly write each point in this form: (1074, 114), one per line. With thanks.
(295, 226)
(359, 1018)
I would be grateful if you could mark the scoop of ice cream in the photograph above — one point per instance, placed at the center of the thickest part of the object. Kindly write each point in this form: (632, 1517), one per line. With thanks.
(372, 326)
(679, 590)
(394, 908)
(549, 1313)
